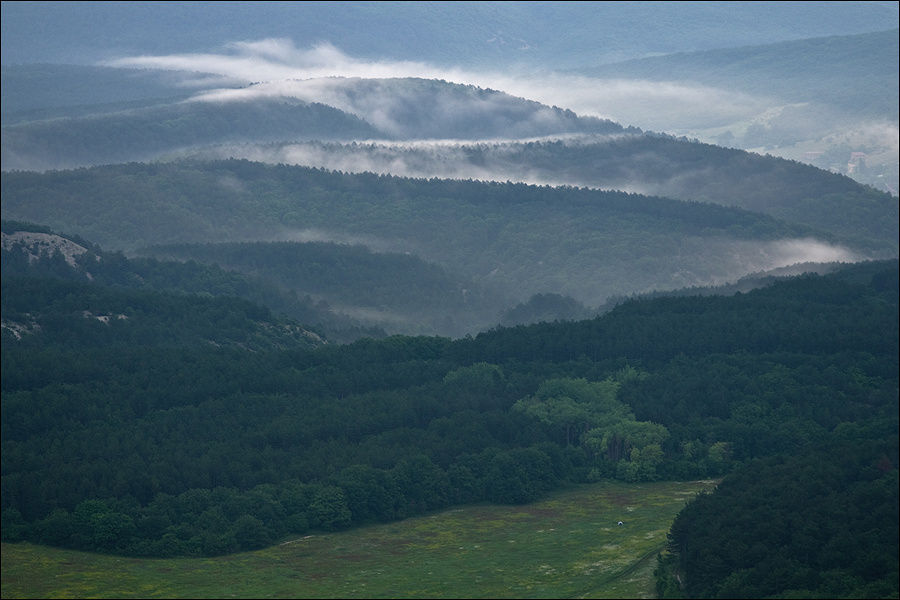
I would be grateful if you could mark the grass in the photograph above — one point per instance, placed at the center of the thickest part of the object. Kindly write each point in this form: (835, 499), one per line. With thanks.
(568, 545)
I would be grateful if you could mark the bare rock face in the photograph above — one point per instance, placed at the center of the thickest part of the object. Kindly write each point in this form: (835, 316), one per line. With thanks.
(36, 245)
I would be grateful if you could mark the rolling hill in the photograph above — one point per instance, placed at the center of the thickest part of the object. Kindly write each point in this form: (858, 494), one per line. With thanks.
(519, 239)
(353, 109)
(642, 163)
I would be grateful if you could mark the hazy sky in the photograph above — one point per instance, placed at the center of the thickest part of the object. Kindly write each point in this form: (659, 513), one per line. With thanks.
(562, 34)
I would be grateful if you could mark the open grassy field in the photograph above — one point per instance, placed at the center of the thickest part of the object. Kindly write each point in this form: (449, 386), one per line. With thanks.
(568, 545)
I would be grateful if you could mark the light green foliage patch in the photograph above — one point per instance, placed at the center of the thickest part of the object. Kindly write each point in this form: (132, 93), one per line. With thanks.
(568, 545)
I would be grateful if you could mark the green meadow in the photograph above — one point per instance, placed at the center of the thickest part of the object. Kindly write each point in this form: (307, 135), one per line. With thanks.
(568, 545)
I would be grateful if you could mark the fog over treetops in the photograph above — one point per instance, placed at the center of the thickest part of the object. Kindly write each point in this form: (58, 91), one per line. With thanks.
(757, 87)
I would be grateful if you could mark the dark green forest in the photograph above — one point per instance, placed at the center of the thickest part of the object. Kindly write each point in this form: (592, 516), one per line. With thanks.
(315, 283)
(28, 259)
(176, 431)
(821, 523)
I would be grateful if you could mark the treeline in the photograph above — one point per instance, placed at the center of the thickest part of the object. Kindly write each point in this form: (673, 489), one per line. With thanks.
(787, 190)
(545, 308)
(190, 450)
(409, 108)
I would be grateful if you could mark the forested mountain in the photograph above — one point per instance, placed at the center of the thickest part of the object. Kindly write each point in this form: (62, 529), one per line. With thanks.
(51, 265)
(400, 292)
(318, 284)
(523, 239)
(56, 290)
(643, 163)
(279, 196)
(353, 109)
(417, 108)
(829, 101)
(177, 446)
(146, 133)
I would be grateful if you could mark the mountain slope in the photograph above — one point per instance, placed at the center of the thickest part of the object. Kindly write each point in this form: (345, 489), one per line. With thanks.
(145, 133)
(647, 164)
(221, 451)
(353, 109)
(416, 108)
(524, 239)
(46, 261)
(398, 292)
(831, 102)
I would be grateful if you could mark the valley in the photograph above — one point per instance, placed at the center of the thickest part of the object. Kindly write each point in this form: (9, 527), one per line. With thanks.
(379, 299)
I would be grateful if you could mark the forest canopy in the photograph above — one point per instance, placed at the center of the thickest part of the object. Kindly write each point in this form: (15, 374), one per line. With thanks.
(187, 447)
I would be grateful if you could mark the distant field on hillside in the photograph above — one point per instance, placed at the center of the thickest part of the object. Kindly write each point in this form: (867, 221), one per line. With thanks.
(568, 545)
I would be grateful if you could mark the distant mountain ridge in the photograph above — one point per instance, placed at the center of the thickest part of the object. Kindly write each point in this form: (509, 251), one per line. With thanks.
(321, 109)
(148, 132)
(843, 71)
(543, 34)
(831, 102)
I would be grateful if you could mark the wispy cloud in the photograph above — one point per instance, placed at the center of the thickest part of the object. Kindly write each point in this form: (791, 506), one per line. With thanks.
(653, 105)
(486, 160)
(782, 253)
(277, 58)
